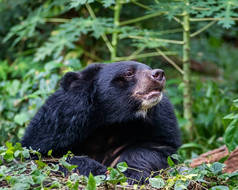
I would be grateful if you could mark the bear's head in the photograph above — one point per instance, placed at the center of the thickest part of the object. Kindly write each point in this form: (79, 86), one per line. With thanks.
(119, 89)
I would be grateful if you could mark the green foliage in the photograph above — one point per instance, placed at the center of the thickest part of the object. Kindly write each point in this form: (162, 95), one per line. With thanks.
(217, 9)
(223, 10)
(231, 133)
(157, 182)
(20, 98)
(115, 174)
(77, 3)
(169, 8)
(17, 172)
(210, 104)
(170, 162)
(66, 34)
(73, 33)
(91, 183)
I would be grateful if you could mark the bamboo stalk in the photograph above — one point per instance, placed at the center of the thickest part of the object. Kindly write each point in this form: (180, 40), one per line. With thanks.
(187, 99)
(117, 11)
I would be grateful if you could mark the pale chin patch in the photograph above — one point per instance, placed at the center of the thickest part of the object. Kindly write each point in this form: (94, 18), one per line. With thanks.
(147, 104)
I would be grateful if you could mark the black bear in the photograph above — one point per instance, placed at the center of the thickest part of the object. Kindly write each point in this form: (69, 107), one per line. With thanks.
(110, 113)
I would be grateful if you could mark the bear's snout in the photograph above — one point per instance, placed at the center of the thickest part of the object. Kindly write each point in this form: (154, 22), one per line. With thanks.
(155, 79)
(150, 84)
(150, 80)
(157, 75)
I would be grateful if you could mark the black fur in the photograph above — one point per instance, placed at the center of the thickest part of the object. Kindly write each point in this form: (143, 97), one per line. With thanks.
(95, 114)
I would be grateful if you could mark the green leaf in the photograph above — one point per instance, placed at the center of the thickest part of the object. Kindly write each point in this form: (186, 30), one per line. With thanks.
(49, 152)
(220, 187)
(17, 153)
(52, 65)
(20, 186)
(115, 176)
(99, 179)
(108, 3)
(9, 145)
(13, 87)
(55, 185)
(113, 173)
(21, 118)
(157, 182)
(216, 168)
(9, 155)
(40, 164)
(91, 183)
(177, 157)
(231, 116)
(67, 165)
(191, 145)
(26, 153)
(122, 166)
(170, 161)
(66, 34)
(77, 3)
(38, 177)
(231, 136)
(180, 185)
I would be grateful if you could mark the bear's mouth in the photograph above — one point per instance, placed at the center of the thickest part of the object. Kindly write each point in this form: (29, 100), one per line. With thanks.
(149, 98)
(150, 94)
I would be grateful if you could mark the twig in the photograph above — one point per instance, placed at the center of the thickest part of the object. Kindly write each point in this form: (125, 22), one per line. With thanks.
(131, 21)
(104, 37)
(199, 184)
(152, 54)
(170, 61)
(157, 39)
(200, 8)
(136, 52)
(177, 20)
(94, 57)
(141, 5)
(63, 20)
(203, 28)
(210, 19)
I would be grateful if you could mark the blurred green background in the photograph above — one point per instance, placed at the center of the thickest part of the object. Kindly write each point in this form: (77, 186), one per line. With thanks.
(40, 40)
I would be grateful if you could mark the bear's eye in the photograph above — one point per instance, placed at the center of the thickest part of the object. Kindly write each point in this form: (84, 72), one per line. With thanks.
(129, 73)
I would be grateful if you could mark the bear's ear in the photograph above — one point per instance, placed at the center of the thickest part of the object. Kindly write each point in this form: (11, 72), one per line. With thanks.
(88, 74)
(91, 71)
(68, 79)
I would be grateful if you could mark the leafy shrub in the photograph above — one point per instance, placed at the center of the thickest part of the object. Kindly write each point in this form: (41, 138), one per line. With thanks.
(23, 90)
(231, 133)
(18, 172)
(211, 102)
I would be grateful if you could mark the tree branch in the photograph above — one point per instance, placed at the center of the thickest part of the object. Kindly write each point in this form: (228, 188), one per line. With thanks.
(104, 37)
(203, 28)
(170, 61)
(157, 39)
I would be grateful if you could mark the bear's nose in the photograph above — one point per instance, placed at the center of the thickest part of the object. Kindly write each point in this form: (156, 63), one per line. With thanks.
(157, 74)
